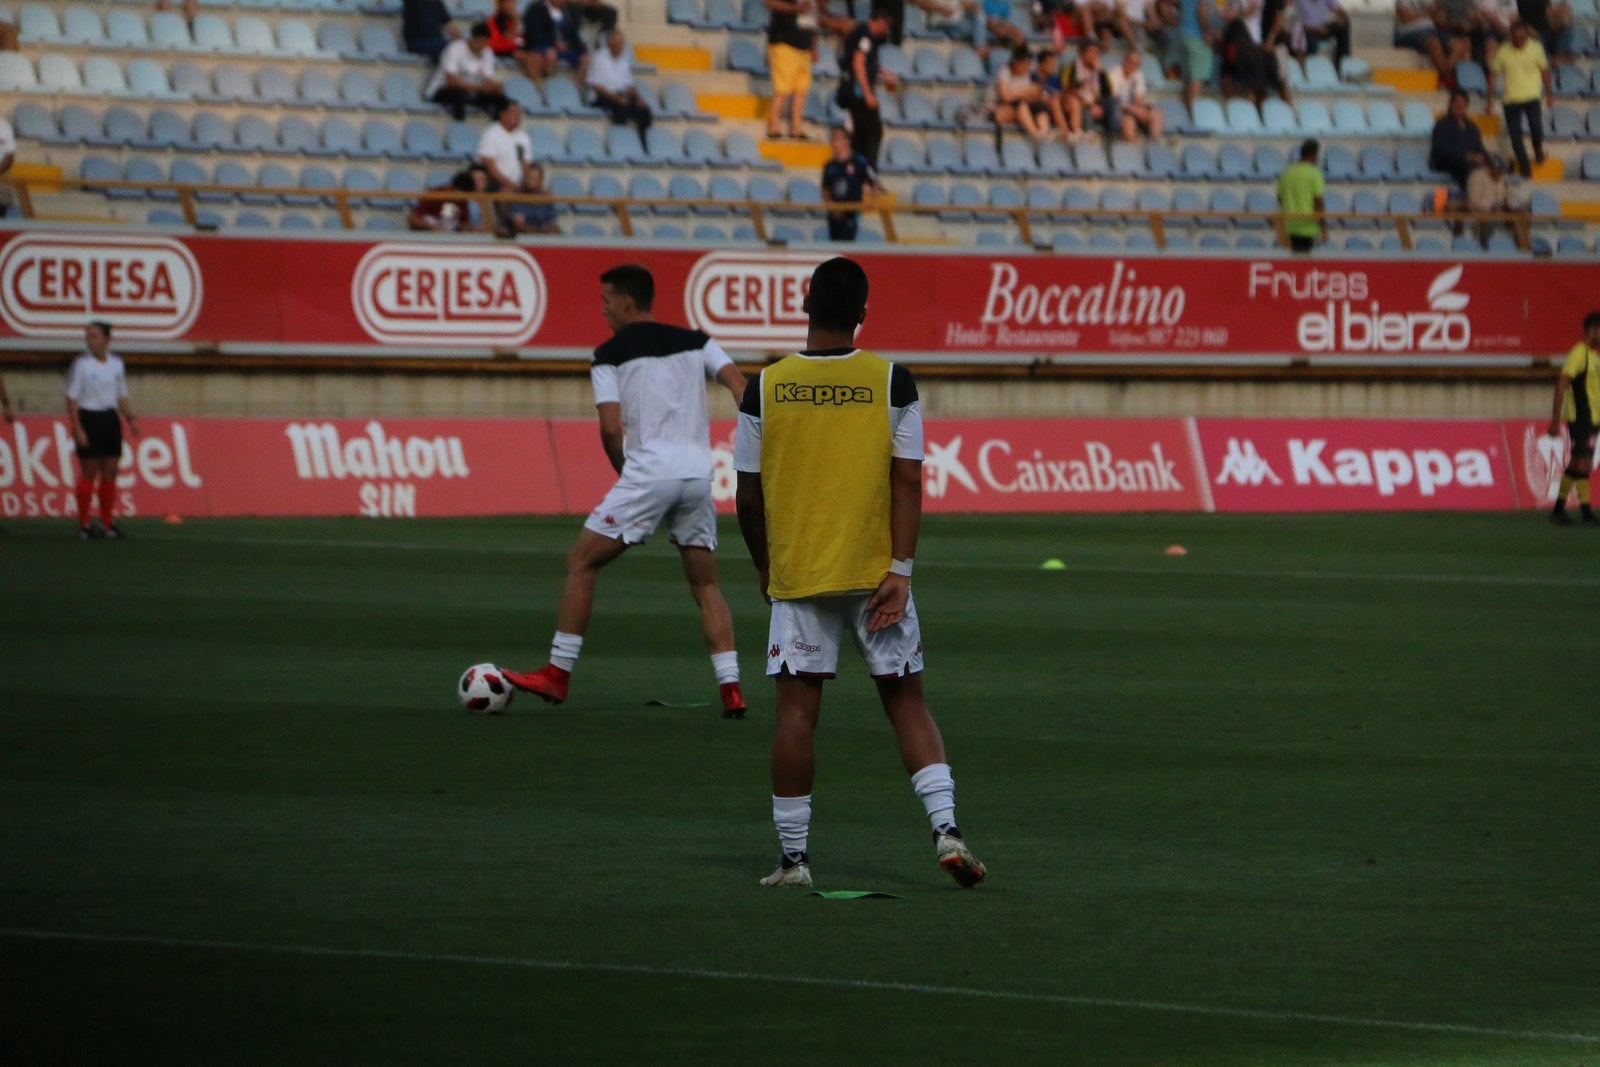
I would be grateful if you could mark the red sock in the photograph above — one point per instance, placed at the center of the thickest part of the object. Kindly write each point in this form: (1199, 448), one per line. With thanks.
(108, 501)
(85, 493)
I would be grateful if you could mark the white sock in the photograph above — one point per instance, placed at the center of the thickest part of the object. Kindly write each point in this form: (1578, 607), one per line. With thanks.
(726, 664)
(938, 792)
(792, 817)
(564, 650)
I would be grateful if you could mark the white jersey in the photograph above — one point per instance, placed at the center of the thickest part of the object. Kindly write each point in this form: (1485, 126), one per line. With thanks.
(97, 385)
(458, 59)
(658, 372)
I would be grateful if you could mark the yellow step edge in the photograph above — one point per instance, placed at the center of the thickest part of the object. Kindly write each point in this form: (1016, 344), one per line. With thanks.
(1551, 170)
(1488, 125)
(41, 177)
(800, 154)
(1407, 81)
(673, 57)
(731, 105)
(1580, 209)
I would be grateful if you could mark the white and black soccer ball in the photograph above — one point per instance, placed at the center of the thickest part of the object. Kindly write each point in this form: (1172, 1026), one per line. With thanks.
(483, 689)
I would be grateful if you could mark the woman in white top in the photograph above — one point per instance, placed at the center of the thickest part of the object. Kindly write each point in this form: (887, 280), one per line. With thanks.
(97, 402)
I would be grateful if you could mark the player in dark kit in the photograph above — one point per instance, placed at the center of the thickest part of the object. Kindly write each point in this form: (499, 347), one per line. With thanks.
(845, 178)
(1577, 403)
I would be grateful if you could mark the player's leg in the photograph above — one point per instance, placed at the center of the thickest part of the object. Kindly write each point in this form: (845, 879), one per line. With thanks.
(584, 562)
(1576, 476)
(894, 656)
(106, 495)
(803, 651)
(692, 523)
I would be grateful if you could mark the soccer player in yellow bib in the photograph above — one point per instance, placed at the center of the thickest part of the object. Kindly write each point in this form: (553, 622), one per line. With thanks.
(1577, 403)
(829, 459)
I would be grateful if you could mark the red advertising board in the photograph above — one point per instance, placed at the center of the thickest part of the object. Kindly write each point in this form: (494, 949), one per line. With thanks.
(1356, 464)
(400, 295)
(434, 467)
(378, 468)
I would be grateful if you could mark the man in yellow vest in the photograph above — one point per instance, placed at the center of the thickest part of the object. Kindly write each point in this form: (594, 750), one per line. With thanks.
(1577, 403)
(829, 457)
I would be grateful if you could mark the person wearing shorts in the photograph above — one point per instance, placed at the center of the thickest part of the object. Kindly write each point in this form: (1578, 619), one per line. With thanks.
(1196, 54)
(97, 402)
(1577, 403)
(650, 394)
(791, 38)
(829, 460)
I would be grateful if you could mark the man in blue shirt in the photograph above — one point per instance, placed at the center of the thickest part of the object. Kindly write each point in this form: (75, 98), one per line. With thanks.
(845, 179)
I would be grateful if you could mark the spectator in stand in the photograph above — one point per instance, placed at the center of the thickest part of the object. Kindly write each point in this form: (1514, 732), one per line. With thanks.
(443, 213)
(611, 81)
(791, 40)
(8, 156)
(550, 38)
(603, 15)
(1459, 18)
(1249, 70)
(1106, 19)
(1088, 95)
(505, 29)
(425, 27)
(1021, 98)
(1301, 188)
(1551, 22)
(466, 76)
(530, 217)
(1523, 71)
(991, 21)
(1489, 193)
(1317, 21)
(858, 82)
(1134, 110)
(846, 178)
(1197, 59)
(191, 8)
(505, 150)
(1494, 27)
(1457, 142)
(1415, 28)
(1161, 31)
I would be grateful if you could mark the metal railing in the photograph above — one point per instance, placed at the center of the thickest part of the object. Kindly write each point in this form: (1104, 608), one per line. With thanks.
(760, 212)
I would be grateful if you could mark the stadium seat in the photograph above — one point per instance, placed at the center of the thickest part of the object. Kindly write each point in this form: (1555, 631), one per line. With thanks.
(147, 172)
(664, 147)
(296, 39)
(226, 172)
(377, 41)
(1198, 163)
(1315, 119)
(1339, 164)
(623, 147)
(745, 56)
(1017, 157)
(1349, 120)
(678, 101)
(272, 176)
(1589, 164)
(252, 220)
(1174, 117)
(1226, 204)
(36, 24)
(1278, 119)
(1365, 202)
(1320, 75)
(1207, 117)
(584, 145)
(741, 150)
(1139, 240)
(1160, 161)
(148, 79)
(124, 29)
(296, 134)
(1269, 162)
(1233, 163)
(186, 171)
(252, 133)
(944, 155)
(163, 216)
(1105, 241)
(379, 137)
(34, 121)
(318, 89)
(58, 74)
(124, 126)
(335, 39)
(401, 182)
(1243, 118)
(1383, 120)
(561, 97)
(421, 140)
(1411, 163)
(1417, 118)
(1376, 163)
(1259, 201)
(358, 179)
(338, 137)
(1570, 244)
(103, 76)
(210, 33)
(700, 149)
(1470, 77)
(962, 198)
(642, 187)
(1127, 160)
(79, 125)
(169, 32)
(918, 109)
(251, 37)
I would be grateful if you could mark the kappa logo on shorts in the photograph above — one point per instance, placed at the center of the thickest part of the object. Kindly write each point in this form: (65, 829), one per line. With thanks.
(775, 652)
(801, 646)
(609, 521)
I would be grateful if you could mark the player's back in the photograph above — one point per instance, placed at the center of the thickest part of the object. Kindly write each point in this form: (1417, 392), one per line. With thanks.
(659, 375)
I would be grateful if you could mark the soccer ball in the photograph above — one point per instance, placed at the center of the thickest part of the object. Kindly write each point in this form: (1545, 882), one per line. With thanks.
(483, 689)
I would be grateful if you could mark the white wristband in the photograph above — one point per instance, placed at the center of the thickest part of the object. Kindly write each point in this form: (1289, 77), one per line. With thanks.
(902, 567)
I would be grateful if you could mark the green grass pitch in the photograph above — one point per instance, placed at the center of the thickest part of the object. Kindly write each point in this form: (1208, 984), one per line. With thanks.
(1323, 791)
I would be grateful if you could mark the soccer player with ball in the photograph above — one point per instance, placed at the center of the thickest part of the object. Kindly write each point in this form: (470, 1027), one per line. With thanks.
(649, 390)
(829, 455)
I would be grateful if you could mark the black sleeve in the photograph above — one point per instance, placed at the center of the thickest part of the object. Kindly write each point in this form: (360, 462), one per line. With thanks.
(751, 404)
(902, 387)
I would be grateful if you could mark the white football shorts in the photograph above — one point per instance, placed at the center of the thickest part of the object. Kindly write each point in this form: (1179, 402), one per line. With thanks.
(804, 636)
(631, 511)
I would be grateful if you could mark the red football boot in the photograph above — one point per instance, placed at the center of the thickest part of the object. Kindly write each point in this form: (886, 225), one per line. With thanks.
(548, 683)
(732, 701)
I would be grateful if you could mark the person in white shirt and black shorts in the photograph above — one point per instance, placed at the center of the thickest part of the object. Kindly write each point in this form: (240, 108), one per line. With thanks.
(97, 402)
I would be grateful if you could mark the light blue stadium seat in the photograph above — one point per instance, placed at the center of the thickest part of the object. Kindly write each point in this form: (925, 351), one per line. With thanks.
(700, 148)
(296, 134)
(252, 133)
(1365, 202)
(929, 64)
(584, 145)
(192, 80)
(1186, 200)
(274, 176)
(561, 96)
(36, 24)
(124, 126)
(82, 126)
(1090, 159)
(1114, 198)
(623, 146)
(548, 145)
(402, 183)
(358, 90)
(1078, 198)
(1315, 119)
(1161, 161)
(358, 179)
(1017, 157)
(919, 110)
(963, 198)
(662, 231)
(383, 223)
(746, 56)
(1349, 120)
(943, 155)
(1321, 75)
(901, 155)
(686, 12)
(1228, 202)
(1250, 241)
(81, 26)
(163, 216)
(1501, 244)
(275, 85)
(1233, 162)
(210, 33)
(251, 37)
(1105, 241)
(1571, 80)
(1339, 164)
(226, 172)
(741, 150)
(317, 179)
(1258, 201)
(803, 193)
(643, 187)
(461, 140)
(379, 137)
(1127, 160)
(1411, 163)
(678, 101)
(1174, 117)
(168, 31)
(252, 220)
(979, 156)
(787, 233)
(1376, 163)
(1208, 117)
(763, 189)
(1198, 163)
(1429, 244)
(683, 187)
(318, 89)
(994, 238)
(1152, 198)
(296, 39)
(185, 171)
(1066, 241)
(720, 15)
(711, 233)
(1243, 118)
(377, 41)
(34, 122)
(1055, 158)
(1214, 242)
(1470, 77)
(1269, 161)
(148, 172)
(148, 79)
(338, 137)
(422, 140)
(1565, 123)
(403, 92)
(1278, 119)
(58, 74)
(1417, 118)
(1570, 244)
(124, 29)
(1045, 195)
(1383, 120)
(103, 76)
(723, 188)
(335, 38)
(1139, 240)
